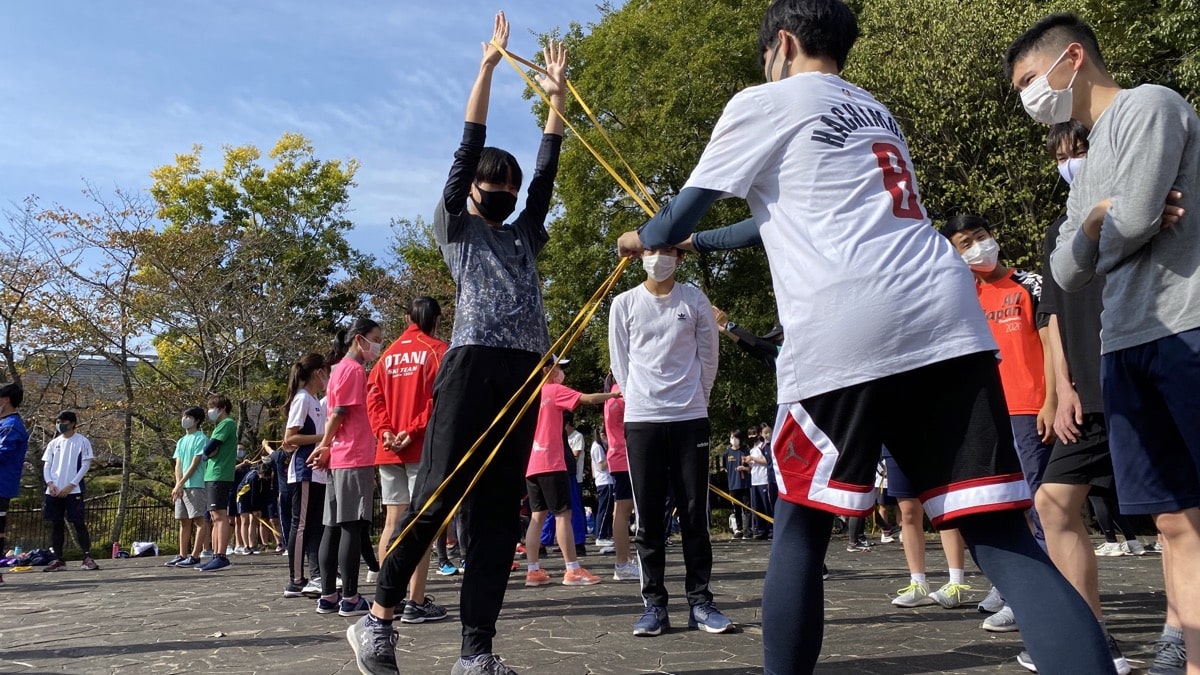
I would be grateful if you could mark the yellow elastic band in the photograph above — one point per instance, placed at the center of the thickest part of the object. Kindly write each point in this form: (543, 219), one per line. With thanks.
(735, 500)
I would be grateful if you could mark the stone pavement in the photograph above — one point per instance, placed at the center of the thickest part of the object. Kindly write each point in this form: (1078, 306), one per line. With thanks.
(135, 616)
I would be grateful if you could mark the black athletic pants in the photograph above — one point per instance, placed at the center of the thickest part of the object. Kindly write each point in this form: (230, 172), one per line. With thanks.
(472, 386)
(671, 456)
(304, 538)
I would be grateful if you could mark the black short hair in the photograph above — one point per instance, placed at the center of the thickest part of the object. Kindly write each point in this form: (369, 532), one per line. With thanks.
(497, 166)
(569, 417)
(195, 412)
(424, 311)
(14, 393)
(1054, 32)
(1071, 130)
(964, 222)
(823, 27)
(67, 416)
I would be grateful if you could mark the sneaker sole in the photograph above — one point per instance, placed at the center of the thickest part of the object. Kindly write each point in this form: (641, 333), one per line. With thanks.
(1011, 628)
(948, 604)
(293, 594)
(354, 646)
(706, 629)
(421, 619)
(647, 633)
(326, 611)
(584, 582)
(354, 613)
(924, 602)
(1027, 666)
(1122, 666)
(537, 584)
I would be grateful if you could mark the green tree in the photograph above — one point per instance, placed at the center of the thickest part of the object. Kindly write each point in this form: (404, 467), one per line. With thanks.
(1150, 41)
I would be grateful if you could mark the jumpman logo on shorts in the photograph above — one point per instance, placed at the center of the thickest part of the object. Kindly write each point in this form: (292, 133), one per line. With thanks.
(791, 452)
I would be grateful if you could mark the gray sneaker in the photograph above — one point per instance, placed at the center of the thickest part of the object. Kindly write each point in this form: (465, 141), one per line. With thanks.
(992, 603)
(913, 595)
(1001, 622)
(484, 664)
(374, 646)
(1170, 658)
(420, 613)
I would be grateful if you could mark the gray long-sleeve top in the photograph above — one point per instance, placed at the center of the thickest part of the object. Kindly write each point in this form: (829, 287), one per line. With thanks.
(1144, 145)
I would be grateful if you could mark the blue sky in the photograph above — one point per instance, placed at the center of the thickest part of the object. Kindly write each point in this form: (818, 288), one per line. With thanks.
(108, 91)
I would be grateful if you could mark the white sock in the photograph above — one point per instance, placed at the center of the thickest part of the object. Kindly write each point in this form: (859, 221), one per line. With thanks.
(533, 567)
(919, 579)
(956, 576)
(574, 565)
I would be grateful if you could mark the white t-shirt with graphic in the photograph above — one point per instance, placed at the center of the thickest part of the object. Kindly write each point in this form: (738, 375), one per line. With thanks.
(67, 460)
(866, 288)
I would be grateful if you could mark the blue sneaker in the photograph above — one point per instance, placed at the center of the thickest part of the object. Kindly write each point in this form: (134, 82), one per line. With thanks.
(448, 570)
(653, 622)
(359, 608)
(708, 618)
(190, 561)
(214, 564)
(328, 606)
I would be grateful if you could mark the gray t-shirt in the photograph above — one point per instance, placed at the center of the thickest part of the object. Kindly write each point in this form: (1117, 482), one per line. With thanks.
(1144, 145)
(498, 291)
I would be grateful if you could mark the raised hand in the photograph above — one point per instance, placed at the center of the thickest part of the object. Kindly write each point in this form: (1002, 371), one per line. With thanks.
(555, 81)
(491, 55)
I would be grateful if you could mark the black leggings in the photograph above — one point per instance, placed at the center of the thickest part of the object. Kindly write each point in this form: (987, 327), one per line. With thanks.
(342, 547)
(459, 523)
(1050, 612)
(304, 538)
(58, 537)
(1109, 518)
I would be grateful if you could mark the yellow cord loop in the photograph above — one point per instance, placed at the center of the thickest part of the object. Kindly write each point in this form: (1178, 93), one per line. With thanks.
(567, 340)
(733, 499)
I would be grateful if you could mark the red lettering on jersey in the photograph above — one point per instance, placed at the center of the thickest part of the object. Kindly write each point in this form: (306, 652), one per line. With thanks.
(898, 181)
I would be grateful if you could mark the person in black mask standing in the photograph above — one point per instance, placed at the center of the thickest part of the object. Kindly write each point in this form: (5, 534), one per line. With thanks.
(499, 337)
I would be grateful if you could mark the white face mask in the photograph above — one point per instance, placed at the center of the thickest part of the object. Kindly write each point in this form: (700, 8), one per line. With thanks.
(188, 423)
(660, 266)
(213, 414)
(982, 256)
(1046, 105)
(1069, 168)
(374, 349)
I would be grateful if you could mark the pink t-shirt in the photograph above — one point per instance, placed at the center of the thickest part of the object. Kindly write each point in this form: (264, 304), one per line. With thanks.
(547, 455)
(614, 429)
(353, 445)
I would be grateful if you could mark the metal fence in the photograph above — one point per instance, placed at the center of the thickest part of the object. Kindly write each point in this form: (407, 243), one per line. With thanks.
(143, 522)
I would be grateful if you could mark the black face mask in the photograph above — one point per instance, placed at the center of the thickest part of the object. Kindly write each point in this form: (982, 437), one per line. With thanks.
(495, 206)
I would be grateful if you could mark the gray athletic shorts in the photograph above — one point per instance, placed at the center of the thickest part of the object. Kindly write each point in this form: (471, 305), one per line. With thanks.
(349, 494)
(398, 483)
(193, 504)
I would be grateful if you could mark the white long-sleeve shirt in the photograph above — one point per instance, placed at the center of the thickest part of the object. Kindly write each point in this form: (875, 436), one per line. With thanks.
(663, 352)
(67, 460)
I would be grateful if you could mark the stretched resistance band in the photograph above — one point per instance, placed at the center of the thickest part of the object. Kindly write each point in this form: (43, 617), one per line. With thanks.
(642, 198)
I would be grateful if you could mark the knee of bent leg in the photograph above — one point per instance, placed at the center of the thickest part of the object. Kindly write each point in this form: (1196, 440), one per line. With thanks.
(1179, 526)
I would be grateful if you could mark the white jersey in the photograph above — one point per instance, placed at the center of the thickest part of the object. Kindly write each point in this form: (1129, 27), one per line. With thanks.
(866, 288)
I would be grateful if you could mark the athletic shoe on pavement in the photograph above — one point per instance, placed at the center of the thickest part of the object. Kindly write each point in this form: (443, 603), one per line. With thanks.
(214, 564)
(293, 590)
(174, 561)
(374, 646)
(627, 571)
(328, 606)
(372, 577)
(1122, 666)
(858, 547)
(1001, 622)
(1026, 661)
(992, 603)
(913, 595)
(579, 577)
(1109, 549)
(420, 613)
(484, 664)
(357, 608)
(448, 570)
(55, 566)
(1170, 658)
(313, 588)
(653, 622)
(1133, 547)
(88, 564)
(949, 595)
(708, 618)
(537, 578)
(190, 561)
(603, 543)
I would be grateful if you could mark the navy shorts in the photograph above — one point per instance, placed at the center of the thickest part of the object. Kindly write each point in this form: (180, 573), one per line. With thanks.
(69, 508)
(899, 486)
(1151, 400)
(622, 486)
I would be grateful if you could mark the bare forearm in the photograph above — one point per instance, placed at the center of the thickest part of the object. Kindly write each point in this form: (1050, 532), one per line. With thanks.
(481, 93)
(554, 122)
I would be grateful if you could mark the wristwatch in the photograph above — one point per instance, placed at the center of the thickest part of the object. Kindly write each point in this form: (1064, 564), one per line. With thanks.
(729, 325)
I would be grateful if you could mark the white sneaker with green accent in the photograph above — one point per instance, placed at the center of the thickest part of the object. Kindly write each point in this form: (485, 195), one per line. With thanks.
(949, 595)
(913, 595)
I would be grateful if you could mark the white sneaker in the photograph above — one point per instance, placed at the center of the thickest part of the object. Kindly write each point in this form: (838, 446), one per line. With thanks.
(312, 589)
(1001, 622)
(913, 595)
(602, 543)
(992, 603)
(885, 538)
(1109, 549)
(1133, 547)
(372, 576)
(949, 595)
(627, 571)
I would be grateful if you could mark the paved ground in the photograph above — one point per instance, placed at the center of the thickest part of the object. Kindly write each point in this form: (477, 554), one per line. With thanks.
(135, 616)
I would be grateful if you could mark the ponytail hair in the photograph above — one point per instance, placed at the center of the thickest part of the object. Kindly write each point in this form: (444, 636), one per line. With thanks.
(345, 336)
(424, 311)
(302, 372)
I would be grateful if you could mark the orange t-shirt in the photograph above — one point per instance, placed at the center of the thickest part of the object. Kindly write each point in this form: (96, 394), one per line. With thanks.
(1010, 305)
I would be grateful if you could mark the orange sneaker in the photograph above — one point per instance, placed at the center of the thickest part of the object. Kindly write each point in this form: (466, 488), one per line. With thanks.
(579, 577)
(537, 578)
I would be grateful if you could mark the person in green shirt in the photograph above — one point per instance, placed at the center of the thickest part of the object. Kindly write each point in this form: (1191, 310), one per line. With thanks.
(189, 494)
(221, 452)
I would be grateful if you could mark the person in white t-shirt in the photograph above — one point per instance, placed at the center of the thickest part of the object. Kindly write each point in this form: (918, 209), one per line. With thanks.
(825, 170)
(67, 460)
(760, 490)
(305, 428)
(604, 492)
(662, 341)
